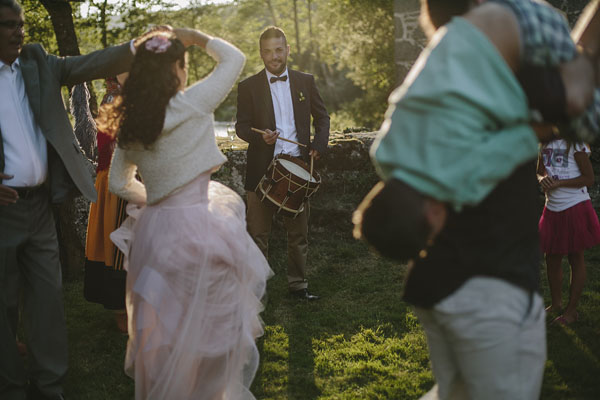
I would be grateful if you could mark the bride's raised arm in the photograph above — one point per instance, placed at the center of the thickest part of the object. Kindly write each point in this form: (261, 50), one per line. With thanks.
(212, 90)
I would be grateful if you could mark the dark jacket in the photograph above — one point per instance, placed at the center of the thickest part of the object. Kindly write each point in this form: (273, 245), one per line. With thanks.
(255, 110)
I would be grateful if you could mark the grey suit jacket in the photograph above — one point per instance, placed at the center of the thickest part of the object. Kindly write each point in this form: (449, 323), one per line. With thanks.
(44, 75)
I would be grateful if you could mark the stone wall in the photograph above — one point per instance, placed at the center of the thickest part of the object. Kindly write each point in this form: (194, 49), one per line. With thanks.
(409, 38)
(346, 176)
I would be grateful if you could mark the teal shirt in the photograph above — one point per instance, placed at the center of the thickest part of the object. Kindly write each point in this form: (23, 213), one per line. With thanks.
(459, 124)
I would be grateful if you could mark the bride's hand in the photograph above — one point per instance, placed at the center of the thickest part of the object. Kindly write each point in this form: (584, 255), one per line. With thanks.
(191, 37)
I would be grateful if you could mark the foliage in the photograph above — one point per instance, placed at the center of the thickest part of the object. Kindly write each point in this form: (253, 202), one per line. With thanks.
(38, 27)
(351, 56)
(364, 47)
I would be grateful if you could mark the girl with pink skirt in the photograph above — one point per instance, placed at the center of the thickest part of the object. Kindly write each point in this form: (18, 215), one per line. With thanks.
(569, 224)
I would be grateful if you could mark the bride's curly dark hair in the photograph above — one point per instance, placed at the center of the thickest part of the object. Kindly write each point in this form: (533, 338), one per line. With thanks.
(138, 115)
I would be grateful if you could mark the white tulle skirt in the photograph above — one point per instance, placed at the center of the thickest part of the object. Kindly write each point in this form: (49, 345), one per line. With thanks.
(194, 283)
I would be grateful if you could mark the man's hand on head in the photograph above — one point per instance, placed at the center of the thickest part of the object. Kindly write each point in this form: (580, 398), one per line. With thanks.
(7, 194)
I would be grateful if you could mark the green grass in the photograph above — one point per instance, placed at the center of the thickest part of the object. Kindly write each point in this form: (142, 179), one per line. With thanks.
(360, 341)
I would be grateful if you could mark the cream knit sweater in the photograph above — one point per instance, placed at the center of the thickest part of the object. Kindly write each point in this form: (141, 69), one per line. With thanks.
(186, 147)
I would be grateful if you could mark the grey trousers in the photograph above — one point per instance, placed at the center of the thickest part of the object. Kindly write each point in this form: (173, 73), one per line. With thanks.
(486, 341)
(29, 257)
(259, 219)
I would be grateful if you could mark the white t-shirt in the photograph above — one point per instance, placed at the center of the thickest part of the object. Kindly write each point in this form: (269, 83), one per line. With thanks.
(560, 165)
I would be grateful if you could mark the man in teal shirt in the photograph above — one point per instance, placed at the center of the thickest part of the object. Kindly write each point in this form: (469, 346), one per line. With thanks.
(461, 121)
(459, 133)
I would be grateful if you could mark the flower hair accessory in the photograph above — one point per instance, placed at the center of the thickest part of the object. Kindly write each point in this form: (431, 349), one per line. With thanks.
(158, 44)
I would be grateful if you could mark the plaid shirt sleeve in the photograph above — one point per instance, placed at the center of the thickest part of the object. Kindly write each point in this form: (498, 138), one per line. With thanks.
(547, 41)
(544, 31)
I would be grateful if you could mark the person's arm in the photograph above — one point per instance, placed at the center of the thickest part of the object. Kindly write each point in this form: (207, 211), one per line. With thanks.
(192, 37)
(99, 64)
(544, 180)
(585, 179)
(121, 179)
(587, 30)
(540, 169)
(587, 126)
(209, 92)
(501, 27)
(320, 121)
(7, 195)
(244, 114)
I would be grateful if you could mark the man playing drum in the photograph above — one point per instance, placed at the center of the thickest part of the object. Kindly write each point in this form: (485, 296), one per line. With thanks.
(280, 102)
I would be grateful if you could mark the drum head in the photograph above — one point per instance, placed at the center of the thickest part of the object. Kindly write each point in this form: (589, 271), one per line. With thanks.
(297, 168)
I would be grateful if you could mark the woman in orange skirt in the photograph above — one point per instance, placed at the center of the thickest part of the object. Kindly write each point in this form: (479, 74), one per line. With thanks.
(104, 277)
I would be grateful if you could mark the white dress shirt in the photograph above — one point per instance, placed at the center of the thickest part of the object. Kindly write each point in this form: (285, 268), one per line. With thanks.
(284, 115)
(25, 152)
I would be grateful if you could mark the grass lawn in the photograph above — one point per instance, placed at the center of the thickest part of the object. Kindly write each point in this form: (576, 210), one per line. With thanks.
(360, 341)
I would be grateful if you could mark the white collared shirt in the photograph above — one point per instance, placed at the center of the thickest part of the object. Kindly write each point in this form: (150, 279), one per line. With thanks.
(284, 115)
(25, 152)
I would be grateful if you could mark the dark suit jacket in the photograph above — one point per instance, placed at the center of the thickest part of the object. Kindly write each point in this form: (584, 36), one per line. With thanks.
(255, 110)
(44, 75)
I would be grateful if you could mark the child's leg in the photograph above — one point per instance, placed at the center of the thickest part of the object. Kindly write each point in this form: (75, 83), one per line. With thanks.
(587, 29)
(554, 271)
(578, 78)
(578, 277)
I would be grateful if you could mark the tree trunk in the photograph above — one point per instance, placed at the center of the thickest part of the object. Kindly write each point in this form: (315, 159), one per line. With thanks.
(103, 29)
(72, 247)
(298, 49)
(316, 63)
(61, 15)
(273, 16)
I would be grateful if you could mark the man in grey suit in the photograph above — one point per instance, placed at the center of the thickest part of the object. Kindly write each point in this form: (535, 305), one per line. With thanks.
(40, 162)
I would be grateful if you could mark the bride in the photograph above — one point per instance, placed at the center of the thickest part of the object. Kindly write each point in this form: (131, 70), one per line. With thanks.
(195, 277)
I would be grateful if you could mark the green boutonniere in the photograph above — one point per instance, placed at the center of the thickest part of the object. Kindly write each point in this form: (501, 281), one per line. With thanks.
(301, 96)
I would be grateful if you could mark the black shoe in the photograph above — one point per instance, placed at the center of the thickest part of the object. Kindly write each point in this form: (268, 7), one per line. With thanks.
(303, 294)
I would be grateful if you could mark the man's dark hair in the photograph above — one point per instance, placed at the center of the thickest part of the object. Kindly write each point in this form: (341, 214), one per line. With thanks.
(12, 4)
(271, 32)
(391, 218)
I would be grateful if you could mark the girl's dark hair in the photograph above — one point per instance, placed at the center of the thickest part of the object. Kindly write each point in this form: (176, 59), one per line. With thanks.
(138, 115)
(437, 13)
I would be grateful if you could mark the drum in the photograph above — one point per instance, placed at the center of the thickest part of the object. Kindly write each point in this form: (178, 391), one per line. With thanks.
(288, 184)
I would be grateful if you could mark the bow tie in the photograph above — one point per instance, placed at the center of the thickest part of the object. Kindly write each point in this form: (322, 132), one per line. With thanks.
(278, 78)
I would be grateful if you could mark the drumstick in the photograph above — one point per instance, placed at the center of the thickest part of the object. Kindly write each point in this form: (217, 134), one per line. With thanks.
(279, 138)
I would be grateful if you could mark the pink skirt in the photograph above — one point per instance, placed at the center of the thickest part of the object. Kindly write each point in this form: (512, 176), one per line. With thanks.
(194, 283)
(569, 231)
